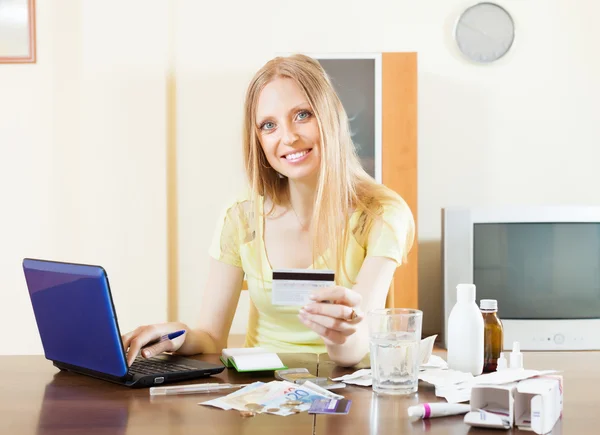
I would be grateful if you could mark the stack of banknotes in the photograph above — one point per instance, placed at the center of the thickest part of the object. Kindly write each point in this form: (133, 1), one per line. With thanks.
(277, 397)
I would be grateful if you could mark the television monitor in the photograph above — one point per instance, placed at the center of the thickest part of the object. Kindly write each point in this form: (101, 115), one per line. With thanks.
(542, 265)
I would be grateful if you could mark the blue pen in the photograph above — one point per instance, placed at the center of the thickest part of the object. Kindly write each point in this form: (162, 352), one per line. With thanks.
(166, 337)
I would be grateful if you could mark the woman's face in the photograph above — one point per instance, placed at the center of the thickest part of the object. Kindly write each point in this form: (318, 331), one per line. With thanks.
(288, 130)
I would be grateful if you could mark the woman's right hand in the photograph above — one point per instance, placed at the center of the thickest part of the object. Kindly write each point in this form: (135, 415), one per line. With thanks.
(134, 341)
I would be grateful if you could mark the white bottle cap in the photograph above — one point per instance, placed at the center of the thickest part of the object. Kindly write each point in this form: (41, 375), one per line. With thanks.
(465, 293)
(488, 304)
(502, 363)
(516, 357)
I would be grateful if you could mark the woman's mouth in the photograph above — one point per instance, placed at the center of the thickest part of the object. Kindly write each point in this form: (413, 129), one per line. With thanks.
(297, 156)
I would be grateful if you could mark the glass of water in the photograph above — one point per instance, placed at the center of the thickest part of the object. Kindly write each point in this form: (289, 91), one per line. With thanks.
(394, 338)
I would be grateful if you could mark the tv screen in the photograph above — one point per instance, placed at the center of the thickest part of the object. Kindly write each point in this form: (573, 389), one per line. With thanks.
(538, 270)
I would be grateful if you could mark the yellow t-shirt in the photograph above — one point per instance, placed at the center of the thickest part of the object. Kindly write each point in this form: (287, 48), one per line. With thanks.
(277, 328)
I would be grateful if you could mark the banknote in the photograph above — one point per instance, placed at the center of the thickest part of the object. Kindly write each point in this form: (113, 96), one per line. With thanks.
(219, 403)
(291, 399)
(277, 397)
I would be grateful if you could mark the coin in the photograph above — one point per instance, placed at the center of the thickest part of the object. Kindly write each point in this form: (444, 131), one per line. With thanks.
(247, 414)
(291, 403)
(254, 407)
(273, 410)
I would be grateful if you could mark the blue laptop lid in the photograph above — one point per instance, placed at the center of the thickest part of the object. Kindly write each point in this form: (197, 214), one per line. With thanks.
(75, 315)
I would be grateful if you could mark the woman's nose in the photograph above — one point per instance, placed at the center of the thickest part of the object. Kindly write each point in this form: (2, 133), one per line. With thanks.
(289, 136)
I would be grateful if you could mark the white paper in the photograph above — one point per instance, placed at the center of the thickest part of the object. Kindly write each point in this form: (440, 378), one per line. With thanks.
(234, 351)
(509, 375)
(434, 362)
(455, 394)
(426, 349)
(443, 377)
(362, 377)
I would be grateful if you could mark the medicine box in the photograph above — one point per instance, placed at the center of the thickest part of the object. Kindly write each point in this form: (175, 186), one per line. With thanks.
(539, 403)
(492, 406)
(533, 404)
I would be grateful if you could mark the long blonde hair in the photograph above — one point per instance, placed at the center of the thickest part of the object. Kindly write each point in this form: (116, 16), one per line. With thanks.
(343, 184)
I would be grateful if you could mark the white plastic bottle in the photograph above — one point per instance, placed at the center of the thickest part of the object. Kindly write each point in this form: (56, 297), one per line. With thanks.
(465, 332)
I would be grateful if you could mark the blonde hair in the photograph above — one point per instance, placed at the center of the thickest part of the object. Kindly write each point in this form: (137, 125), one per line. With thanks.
(343, 184)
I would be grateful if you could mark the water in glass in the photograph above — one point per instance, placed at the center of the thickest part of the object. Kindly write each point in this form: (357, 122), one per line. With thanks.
(395, 362)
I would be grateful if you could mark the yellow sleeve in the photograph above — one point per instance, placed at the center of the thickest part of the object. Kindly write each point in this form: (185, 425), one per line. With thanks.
(393, 235)
(227, 237)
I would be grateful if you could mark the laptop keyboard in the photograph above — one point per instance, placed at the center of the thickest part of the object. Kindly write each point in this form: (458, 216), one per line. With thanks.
(153, 366)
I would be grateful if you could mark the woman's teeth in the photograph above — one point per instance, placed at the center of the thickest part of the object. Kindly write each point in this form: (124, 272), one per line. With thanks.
(297, 155)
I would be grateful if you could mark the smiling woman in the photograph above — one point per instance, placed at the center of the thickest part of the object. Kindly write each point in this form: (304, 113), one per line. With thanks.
(288, 131)
(310, 205)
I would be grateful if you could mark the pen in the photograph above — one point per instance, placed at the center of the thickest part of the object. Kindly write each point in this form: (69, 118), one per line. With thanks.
(166, 337)
(192, 388)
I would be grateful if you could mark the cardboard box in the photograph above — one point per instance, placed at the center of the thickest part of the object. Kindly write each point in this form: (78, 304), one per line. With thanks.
(492, 406)
(539, 403)
(534, 404)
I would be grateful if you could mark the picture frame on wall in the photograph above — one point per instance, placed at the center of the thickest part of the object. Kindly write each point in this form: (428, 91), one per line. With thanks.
(356, 78)
(17, 31)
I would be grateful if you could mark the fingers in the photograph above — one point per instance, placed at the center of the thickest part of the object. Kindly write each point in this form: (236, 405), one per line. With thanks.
(139, 338)
(126, 338)
(155, 349)
(342, 312)
(339, 295)
(329, 335)
(341, 326)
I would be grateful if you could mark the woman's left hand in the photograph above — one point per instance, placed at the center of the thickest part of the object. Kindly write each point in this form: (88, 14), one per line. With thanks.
(334, 314)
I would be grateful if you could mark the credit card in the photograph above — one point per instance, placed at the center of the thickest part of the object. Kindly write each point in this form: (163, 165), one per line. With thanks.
(330, 406)
(294, 286)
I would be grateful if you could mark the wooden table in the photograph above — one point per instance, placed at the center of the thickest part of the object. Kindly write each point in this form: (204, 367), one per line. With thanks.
(35, 398)
(375, 414)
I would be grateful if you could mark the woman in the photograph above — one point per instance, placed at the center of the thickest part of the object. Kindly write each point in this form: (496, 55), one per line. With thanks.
(310, 205)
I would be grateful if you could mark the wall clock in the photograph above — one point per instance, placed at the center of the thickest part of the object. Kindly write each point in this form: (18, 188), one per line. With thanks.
(484, 32)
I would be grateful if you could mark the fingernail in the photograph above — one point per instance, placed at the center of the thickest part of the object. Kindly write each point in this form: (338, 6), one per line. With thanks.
(313, 297)
(145, 353)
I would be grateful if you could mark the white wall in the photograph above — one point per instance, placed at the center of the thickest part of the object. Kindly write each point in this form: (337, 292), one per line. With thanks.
(82, 158)
(82, 132)
(522, 130)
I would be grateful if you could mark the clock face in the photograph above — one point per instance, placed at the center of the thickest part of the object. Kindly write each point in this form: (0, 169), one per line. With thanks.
(485, 32)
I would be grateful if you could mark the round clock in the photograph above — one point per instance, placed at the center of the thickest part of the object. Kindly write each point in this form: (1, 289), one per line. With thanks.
(484, 32)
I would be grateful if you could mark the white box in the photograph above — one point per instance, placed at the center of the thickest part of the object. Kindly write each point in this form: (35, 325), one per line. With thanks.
(492, 406)
(533, 404)
(539, 403)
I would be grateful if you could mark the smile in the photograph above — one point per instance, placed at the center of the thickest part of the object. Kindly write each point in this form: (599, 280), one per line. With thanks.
(299, 155)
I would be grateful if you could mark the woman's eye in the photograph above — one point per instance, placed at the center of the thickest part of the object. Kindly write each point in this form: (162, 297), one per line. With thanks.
(303, 115)
(267, 126)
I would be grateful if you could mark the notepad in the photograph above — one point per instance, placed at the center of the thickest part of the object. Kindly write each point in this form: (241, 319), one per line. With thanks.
(252, 359)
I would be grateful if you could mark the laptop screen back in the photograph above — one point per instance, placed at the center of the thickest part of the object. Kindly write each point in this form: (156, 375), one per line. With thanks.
(75, 315)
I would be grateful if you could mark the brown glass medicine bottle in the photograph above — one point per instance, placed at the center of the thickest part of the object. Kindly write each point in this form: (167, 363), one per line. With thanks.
(493, 334)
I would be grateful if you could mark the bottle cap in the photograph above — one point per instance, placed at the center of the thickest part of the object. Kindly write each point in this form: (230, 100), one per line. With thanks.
(502, 363)
(516, 357)
(465, 293)
(488, 304)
